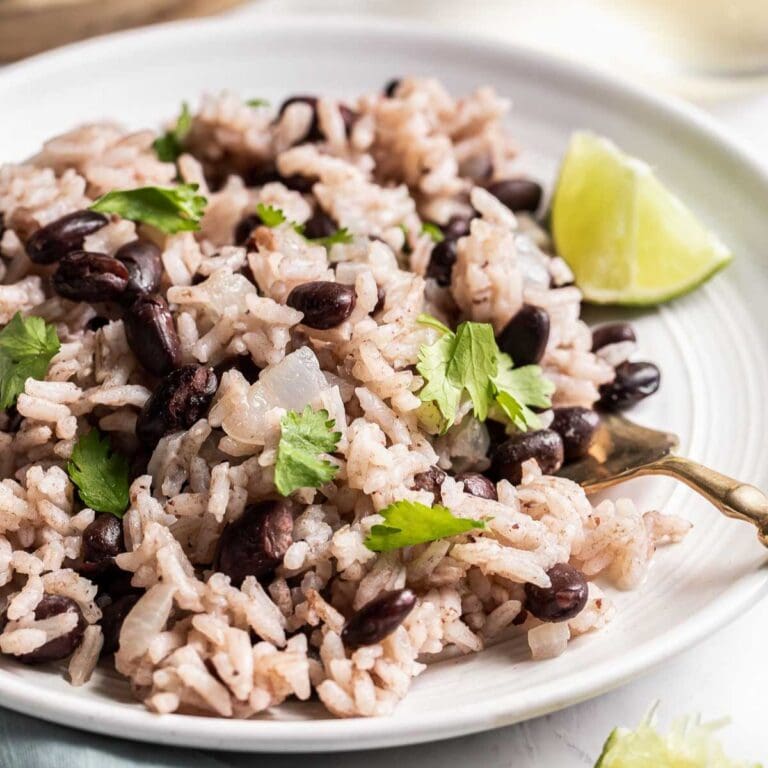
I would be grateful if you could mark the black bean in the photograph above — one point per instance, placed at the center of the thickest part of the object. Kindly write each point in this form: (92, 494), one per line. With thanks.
(430, 480)
(478, 485)
(59, 647)
(497, 433)
(246, 272)
(299, 183)
(521, 618)
(378, 619)
(113, 582)
(138, 463)
(245, 226)
(517, 194)
(102, 540)
(142, 260)
(152, 335)
(611, 333)
(563, 600)
(576, 426)
(63, 236)
(112, 618)
(349, 116)
(313, 132)
(96, 322)
(14, 419)
(441, 261)
(179, 400)
(391, 87)
(259, 175)
(242, 363)
(267, 173)
(320, 225)
(525, 336)
(633, 383)
(544, 445)
(457, 226)
(87, 276)
(324, 304)
(381, 297)
(255, 543)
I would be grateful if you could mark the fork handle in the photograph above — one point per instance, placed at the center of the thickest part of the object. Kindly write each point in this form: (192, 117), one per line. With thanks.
(732, 497)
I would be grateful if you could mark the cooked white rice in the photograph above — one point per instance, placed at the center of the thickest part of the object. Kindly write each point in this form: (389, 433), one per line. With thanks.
(194, 642)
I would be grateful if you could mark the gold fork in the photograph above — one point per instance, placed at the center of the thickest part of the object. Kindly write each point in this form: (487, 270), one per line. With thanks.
(623, 450)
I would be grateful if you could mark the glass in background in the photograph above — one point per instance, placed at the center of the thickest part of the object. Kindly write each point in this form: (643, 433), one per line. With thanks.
(711, 36)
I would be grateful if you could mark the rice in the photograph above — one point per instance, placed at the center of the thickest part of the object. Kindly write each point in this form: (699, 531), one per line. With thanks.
(194, 641)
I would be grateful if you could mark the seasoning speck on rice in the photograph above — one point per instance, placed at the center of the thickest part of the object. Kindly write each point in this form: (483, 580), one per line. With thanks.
(280, 392)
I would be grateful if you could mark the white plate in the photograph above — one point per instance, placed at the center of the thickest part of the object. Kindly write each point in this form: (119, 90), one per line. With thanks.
(711, 347)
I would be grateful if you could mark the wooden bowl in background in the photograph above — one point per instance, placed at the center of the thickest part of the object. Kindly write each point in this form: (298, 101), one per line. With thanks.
(32, 26)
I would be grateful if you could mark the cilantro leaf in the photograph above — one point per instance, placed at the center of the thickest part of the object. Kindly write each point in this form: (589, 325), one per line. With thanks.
(342, 235)
(428, 228)
(304, 436)
(171, 210)
(27, 345)
(270, 216)
(100, 474)
(465, 360)
(470, 361)
(438, 387)
(474, 362)
(518, 388)
(258, 102)
(433, 322)
(409, 522)
(169, 146)
(273, 217)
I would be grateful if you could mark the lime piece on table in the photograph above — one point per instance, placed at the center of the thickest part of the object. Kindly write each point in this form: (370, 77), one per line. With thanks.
(689, 744)
(626, 237)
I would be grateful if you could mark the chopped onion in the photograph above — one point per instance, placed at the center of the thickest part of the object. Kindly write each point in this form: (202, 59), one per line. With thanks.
(293, 383)
(533, 262)
(227, 289)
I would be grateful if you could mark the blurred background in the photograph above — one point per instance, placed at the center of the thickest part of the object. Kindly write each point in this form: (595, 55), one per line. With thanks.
(684, 40)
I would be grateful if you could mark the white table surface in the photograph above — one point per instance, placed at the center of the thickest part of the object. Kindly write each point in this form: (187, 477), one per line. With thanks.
(727, 675)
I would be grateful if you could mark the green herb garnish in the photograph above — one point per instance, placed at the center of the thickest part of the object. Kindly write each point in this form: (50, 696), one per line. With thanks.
(273, 217)
(342, 235)
(470, 363)
(258, 102)
(409, 522)
(169, 146)
(270, 216)
(171, 210)
(428, 228)
(27, 345)
(304, 437)
(100, 474)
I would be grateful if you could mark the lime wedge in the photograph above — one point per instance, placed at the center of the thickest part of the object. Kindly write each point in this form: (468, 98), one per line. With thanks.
(626, 237)
(689, 744)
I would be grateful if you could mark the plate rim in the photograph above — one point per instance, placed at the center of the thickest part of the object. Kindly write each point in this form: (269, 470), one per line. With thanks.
(133, 722)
